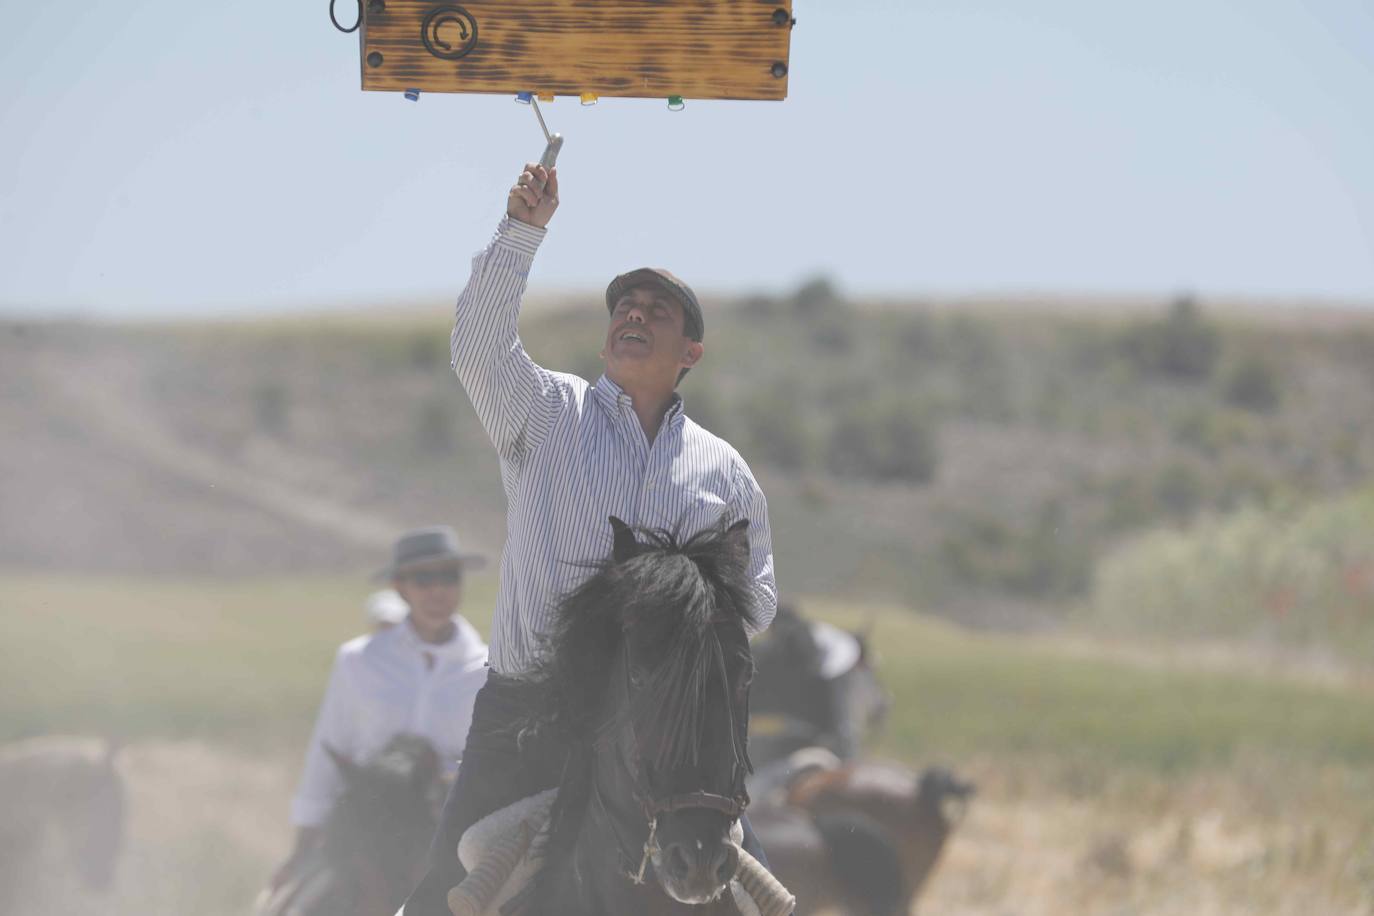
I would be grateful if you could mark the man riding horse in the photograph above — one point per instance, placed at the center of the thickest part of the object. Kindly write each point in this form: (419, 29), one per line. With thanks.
(573, 454)
(418, 677)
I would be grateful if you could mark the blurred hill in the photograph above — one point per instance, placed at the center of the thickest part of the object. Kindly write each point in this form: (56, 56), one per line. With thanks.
(975, 460)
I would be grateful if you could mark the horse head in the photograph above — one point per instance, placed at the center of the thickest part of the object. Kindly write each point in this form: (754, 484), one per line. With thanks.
(377, 834)
(651, 665)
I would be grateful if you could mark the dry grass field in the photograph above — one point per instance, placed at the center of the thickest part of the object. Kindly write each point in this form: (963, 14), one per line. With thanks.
(1106, 783)
(1254, 837)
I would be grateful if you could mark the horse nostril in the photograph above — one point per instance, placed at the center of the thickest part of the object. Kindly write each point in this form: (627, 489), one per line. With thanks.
(678, 866)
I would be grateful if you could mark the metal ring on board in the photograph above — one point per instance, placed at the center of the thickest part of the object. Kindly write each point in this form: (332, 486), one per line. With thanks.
(448, 16)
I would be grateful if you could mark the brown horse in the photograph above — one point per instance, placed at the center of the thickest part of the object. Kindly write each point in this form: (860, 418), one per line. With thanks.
(59, 795)
(917, 811)
(842, 862)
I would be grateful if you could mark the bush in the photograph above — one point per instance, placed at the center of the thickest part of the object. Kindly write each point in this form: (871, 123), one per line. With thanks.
(1253, 384)
(1209, 430)
(817, 296)
(979, 357)
(707, 408)
(832, 333)
(895, 440)
(1299, 578)
(1041, 560)
(1181, 345)
(428, 350)
(1179, 490)
(918, 336)
(777, 428)
(758, 306)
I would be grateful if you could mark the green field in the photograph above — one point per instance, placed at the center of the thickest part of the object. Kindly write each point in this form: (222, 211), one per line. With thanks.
(1104, 784)
(244, 663)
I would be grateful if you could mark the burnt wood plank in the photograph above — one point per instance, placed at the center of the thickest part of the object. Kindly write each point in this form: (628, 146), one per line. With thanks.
(698, 49)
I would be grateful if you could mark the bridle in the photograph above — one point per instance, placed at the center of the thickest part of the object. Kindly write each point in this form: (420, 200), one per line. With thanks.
(620, 740)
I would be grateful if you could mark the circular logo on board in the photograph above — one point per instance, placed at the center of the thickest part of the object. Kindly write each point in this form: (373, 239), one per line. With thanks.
(449, 32)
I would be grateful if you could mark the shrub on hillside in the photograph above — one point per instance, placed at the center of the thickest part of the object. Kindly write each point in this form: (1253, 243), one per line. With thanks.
(758, 306)
(704, 404)
(1252, 382)
(817, 296)
(1181, 345)
(1180, 490)
(978, 353)
(1210, 430)
(777, 428)
(1297, 578)
(428, 350)
(832, 332)
(918, 336)
(1042, 559)
(891, 440)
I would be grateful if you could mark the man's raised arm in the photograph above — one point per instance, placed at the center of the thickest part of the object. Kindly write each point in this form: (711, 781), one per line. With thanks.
(514, 398)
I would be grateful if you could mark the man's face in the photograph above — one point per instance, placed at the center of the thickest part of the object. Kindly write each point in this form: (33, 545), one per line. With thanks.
(431, 591)
(645, 342)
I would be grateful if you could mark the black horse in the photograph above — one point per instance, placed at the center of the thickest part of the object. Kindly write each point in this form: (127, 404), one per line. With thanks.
(797, 705)
(374, 842)
(646, 681)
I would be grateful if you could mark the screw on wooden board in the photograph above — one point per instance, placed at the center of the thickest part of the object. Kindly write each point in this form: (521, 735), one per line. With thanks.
(374, 59)
(779, 69)
(376, 6)
(782, 17)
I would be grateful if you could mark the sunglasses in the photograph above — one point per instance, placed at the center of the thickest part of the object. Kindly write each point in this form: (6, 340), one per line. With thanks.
(426, 577)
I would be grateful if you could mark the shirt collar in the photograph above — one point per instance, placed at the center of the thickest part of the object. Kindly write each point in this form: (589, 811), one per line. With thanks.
(464, 646)
(613, 398)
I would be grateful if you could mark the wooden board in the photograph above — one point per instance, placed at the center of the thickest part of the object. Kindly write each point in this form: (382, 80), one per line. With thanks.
(697, 49)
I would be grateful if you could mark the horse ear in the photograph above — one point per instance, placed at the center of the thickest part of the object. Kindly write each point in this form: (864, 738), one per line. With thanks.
(625, 544)
(736, 543)
(347, 769)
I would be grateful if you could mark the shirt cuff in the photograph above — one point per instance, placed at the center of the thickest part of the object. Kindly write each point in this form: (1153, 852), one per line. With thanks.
(518, 236)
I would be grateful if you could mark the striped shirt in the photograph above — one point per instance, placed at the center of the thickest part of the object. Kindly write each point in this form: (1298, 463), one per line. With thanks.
(573, 454)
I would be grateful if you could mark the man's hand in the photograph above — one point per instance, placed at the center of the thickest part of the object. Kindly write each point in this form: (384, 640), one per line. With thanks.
(534, 196)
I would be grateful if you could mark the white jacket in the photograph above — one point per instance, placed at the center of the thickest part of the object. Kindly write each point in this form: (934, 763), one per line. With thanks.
(382, 686)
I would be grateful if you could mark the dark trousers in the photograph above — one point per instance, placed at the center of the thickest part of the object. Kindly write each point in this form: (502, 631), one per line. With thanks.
(494, 773)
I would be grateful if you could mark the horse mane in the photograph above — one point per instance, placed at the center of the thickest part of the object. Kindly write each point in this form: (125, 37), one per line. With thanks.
(704, 578)
(702, 583)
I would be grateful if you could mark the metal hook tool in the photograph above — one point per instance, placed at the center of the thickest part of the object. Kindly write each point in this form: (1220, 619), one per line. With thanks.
(554, 141)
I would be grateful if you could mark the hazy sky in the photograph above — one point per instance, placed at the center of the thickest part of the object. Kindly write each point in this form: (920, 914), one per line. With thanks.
(172, 157)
